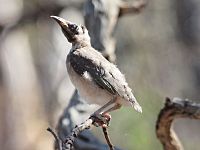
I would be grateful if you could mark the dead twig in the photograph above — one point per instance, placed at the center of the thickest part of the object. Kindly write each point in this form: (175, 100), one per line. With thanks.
(75, 132)
(58, 141)
(67, 144)
(173, 109)
(105, 132)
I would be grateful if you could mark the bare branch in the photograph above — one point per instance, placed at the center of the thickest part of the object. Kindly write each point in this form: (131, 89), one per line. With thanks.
(176, 108)
(107, 138)
(93, 120)
(70, 140)
(58, 141)
(67, 144)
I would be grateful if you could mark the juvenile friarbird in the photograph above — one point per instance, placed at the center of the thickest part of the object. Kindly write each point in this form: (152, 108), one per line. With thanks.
(97, 80)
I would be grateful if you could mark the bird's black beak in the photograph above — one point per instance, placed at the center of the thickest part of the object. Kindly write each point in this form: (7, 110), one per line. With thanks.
(64, 24)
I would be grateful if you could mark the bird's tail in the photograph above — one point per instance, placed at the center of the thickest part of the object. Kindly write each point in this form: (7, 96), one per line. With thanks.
(136, 105)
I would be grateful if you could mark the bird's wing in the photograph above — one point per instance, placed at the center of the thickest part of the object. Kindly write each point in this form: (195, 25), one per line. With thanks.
(95, 72)
(103, 73)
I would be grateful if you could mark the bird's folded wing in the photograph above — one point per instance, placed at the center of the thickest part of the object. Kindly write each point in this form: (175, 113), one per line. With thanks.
(102, 73)
(92, 66)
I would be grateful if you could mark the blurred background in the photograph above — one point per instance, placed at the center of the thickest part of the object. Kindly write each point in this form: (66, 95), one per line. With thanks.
(158, 50)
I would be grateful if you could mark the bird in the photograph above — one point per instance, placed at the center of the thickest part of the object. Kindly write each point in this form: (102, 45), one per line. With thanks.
(97, 80)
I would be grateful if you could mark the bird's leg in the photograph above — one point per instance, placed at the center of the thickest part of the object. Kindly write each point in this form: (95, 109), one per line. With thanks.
(116, 106)
(101, 118)
(107, 115)
(101, 110)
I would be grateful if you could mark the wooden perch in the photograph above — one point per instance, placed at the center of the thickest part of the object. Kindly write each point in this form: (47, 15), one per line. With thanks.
(173, 109)
(70, 140)
(67, 144)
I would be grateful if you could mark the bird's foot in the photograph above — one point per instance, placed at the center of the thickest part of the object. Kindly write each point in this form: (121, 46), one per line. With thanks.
(102, 120)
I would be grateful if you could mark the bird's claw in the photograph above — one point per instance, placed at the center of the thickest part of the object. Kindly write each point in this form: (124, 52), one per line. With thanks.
(101, 120)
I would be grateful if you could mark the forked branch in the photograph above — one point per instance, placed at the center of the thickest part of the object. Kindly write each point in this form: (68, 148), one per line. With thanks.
(67, 144)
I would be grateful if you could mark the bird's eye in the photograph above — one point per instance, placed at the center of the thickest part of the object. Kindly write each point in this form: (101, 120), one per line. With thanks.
(74, 28)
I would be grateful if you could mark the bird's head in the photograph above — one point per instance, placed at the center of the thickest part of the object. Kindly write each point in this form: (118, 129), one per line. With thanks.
(73, 32)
